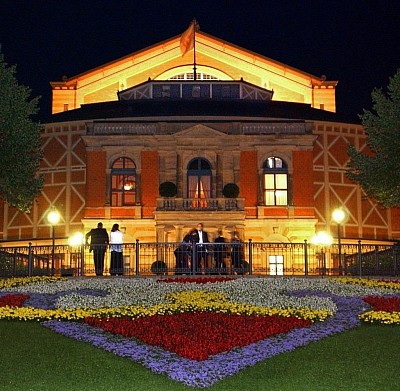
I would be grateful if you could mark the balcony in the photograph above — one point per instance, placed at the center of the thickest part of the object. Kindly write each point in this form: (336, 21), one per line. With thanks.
(200, 204)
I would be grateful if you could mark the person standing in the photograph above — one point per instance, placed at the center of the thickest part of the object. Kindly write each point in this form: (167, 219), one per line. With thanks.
(183, 253)
(201, 238)
(116, 241)
(236, 253)
(98, 244)
(220, 252)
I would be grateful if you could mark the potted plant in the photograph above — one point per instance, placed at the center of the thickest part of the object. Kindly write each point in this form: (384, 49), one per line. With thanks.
(167, 189)
(230, 190)
(158, 267)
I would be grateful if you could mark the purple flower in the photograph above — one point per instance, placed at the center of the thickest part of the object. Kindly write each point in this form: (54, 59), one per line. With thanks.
(206, 373)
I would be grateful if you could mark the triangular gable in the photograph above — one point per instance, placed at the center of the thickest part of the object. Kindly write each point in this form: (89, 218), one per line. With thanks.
(214, 57)
(199, 131)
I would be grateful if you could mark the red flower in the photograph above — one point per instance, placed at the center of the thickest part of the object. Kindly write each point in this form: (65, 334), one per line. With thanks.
(13, 300)
(199, 335)
(387, 304)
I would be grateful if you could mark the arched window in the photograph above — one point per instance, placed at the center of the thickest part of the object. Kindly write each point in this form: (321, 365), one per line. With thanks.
(199, 180)
(275, 181)
(123, 182)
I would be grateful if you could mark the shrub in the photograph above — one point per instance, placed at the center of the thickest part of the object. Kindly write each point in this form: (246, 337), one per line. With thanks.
(167, 189)
(158, 267)
(230, 190)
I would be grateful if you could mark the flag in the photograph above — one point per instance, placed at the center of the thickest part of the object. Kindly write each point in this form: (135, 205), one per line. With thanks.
(188, 37)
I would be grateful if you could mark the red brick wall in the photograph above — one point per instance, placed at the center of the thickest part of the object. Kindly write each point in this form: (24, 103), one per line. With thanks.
(249, 178)
(303, 186)
(96, 179)
(149, 179)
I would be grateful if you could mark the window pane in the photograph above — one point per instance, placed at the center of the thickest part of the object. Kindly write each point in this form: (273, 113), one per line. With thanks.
(269, 198)
(116, 199)
(269, 182)
(281, 181)
(129, 198)
(281, 197)
(119, 163)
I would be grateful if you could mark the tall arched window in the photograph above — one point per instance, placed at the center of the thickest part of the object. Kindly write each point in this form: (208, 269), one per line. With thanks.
(275, 181)
(199, 180)
(123, 182)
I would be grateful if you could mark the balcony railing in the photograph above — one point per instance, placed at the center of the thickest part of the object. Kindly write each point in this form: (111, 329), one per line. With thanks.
(192, 204)
(167, 258)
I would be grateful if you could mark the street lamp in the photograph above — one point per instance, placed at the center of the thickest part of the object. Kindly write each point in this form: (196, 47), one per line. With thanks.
(324, 240)
(339, 216)
(53, 218)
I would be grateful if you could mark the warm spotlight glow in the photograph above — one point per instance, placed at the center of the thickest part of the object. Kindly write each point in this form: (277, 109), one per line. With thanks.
(53, 217)
(76, 239)
(322, 239)
(338, 216)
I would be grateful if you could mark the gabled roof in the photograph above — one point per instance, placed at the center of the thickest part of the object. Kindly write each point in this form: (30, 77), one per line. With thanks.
(201, 39)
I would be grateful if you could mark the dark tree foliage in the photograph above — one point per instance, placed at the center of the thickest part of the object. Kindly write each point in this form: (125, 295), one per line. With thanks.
(377, 171)
(20, 145)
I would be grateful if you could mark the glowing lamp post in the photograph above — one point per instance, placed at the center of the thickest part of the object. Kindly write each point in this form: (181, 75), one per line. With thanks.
(53, 218)
(339, 216)
(322, 239)
(78, 240)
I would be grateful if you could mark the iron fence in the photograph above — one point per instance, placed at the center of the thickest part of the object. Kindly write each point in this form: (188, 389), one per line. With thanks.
(167, 258)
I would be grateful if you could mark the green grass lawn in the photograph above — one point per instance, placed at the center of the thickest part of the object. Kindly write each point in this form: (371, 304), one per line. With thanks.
(35, 358)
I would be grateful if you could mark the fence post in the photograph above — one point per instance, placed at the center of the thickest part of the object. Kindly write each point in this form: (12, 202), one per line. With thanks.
(15, 263)
(30, 260)
(305, 258)
(395, 254)
(194, 260)
(137, 258)
(376, 253)
(250, 256)
(82, 260)
(359, 258)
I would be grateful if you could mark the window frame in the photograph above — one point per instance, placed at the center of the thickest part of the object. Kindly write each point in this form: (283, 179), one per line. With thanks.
(123, 175)
(275, 170)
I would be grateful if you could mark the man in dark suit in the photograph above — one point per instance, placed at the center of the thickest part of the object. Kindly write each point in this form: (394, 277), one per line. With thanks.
(220, 253)
(200, 238)
(98, 244)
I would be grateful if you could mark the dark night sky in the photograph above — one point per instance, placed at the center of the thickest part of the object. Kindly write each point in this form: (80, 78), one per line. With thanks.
(354, 42)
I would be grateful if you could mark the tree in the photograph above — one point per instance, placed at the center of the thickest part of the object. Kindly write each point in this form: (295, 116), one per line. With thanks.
(20, 144)
(377, 171)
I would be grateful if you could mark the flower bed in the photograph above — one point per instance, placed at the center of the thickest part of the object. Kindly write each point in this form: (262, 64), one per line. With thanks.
(385, 310)
(199, 330)
(199, 335)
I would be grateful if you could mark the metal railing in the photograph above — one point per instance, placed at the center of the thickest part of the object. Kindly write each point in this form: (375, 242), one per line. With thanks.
(192, 204)
(166, 258)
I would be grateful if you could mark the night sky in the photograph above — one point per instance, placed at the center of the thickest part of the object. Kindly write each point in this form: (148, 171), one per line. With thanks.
(354, 42)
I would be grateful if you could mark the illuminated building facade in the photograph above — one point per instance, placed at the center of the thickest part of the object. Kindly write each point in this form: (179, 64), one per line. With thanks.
(121, 130)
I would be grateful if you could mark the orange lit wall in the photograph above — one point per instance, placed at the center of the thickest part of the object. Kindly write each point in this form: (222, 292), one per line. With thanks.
(149, 182)
(96, 183)
(249, 178)
(303, 181)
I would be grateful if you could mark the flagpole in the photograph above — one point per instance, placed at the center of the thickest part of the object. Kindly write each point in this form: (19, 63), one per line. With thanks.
(194, 49)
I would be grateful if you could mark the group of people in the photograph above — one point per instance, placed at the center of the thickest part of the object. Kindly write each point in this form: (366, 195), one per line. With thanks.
(99, 241)
(195, 248)
(219, 256)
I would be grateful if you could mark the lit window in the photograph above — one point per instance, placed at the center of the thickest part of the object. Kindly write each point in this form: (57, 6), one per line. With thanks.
(190, 76)
(199, 181)
(275, 182)
(123, 182)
